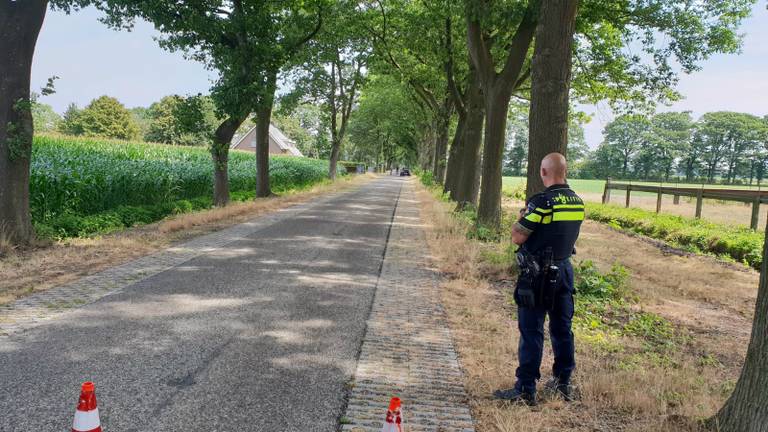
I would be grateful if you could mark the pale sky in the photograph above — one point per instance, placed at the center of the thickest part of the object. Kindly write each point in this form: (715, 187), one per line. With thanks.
(92, 60)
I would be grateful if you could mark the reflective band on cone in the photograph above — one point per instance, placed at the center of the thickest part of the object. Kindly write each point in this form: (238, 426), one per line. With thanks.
(87, 413)
(393, 421)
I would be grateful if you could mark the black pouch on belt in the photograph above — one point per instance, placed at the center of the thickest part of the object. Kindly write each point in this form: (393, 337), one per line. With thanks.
(527, 280)
(548, 282)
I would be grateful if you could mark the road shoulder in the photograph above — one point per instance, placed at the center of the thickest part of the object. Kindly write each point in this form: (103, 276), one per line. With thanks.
(408, 348)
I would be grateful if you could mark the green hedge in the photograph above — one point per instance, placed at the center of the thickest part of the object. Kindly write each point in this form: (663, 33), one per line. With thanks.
(696, 235)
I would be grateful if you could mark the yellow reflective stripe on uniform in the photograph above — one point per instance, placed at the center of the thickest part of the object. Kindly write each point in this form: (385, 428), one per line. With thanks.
(546, 219)
(541, 210)
(533, 217)
(568, 206)
(567, 216)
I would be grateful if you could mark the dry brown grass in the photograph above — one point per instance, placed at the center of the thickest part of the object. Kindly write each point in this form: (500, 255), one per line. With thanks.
(631, 389)
(25, 271)
(6, 246)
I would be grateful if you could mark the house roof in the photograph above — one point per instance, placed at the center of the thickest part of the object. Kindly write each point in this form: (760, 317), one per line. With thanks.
(276, 135)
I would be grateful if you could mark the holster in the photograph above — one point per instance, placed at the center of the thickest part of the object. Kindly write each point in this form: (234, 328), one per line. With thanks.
(539, 274)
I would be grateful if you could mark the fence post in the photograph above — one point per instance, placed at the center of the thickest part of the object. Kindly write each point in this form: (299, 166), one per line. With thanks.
(607, 191)
(676, 200)
(658, 201)
(755, 213)
(629, 191)
(699, 202)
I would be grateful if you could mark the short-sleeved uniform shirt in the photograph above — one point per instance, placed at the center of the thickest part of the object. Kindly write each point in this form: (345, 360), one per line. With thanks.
(552, 219)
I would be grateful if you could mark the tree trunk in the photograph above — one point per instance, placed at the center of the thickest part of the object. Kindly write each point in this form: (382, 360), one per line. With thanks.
(469, 179)
(20, 23)
(427, 150)
(441, 142)
(453, 170)
(335, 150)
(264, 115)
(746, 410)
(263, 119)
(489, 208)
(222, 139)
(550, 84)
(497, 91)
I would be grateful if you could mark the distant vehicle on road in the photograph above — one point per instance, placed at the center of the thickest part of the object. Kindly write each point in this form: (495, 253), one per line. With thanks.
(405, 172)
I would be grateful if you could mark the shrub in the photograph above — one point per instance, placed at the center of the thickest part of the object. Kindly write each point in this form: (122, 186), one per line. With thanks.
(590, 282)
(427, 178)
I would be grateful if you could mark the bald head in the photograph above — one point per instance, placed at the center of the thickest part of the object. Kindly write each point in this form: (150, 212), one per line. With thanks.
(553, 169)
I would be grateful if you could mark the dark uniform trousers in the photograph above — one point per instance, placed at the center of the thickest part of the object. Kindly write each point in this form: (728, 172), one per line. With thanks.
(531, 325)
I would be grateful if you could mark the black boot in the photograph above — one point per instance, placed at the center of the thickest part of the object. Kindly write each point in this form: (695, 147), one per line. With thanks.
(562, 389)
(518, 395)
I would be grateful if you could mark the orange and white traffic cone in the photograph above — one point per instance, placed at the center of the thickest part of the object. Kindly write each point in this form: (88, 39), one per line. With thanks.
(394, 420)
(87, 413)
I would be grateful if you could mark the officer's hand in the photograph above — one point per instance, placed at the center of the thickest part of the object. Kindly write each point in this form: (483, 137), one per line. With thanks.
(526, 298)
(521, 213)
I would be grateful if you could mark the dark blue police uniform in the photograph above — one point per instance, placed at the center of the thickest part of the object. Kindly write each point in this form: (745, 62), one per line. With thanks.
(552, 219)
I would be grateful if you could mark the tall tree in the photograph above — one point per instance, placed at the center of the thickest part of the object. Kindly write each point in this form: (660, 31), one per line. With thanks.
(181, 120)
(248, 42)
(722, 139)
(20, 23)
(745, 410)
(609, 35)
(45, 119)
(106, 117)
(462, 177)
(410, 40)
(550, 86)
(466, 175)
(387, 125)
(493, 47)
(626, 135)
(334, 71)
(670, 139)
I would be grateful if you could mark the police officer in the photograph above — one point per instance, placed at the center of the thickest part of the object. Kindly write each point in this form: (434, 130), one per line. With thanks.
(546, 230)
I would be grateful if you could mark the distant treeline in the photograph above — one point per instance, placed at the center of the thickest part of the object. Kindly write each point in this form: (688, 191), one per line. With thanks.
(722, 146)
(174, 119)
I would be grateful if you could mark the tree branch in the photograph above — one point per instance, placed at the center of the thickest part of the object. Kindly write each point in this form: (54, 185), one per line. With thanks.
(518, 49)
(479, 52)
(458, 99)
(523, 77)
(311, 34)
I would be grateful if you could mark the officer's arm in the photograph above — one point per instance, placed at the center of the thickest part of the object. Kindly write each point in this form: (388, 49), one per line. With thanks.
(518, 236)
(529, 220)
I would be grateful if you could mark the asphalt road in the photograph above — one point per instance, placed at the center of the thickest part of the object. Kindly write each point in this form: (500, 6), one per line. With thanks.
(263, 335)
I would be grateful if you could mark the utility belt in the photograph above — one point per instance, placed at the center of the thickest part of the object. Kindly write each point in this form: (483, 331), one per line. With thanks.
(538, 280)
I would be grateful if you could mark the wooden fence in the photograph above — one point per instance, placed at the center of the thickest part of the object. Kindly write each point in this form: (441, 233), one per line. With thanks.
(755, 197)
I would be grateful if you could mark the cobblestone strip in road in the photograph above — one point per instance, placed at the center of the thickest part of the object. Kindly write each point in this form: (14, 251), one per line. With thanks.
(408, 349)
(30, 311)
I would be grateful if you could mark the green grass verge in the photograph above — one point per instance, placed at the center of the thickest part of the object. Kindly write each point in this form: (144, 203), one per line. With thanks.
(606, 312)
(694, 235)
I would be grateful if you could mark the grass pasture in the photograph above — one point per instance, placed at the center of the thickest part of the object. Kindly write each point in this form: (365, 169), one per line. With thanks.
(81, 186)
(726, 212)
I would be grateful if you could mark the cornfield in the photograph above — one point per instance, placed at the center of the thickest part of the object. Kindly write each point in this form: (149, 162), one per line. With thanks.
(86, 176)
